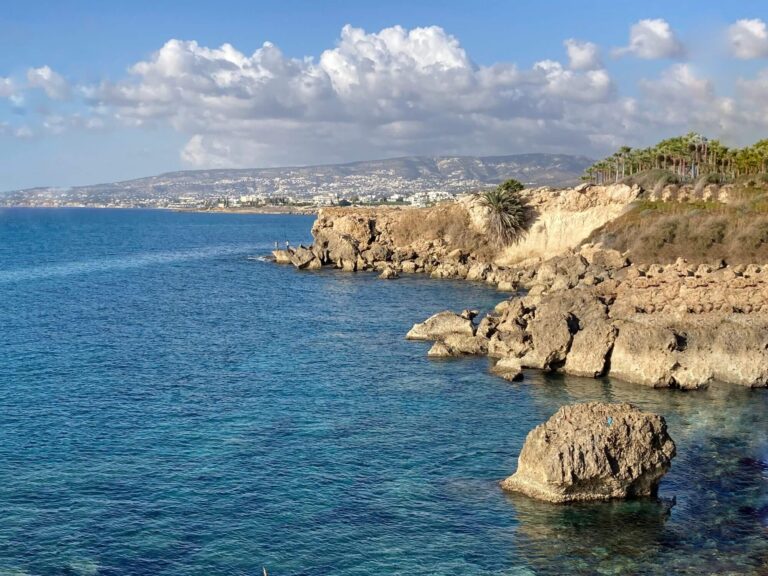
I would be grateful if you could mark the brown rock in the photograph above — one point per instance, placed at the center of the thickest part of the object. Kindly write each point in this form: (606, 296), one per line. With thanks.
(594, 451)
(441, 325)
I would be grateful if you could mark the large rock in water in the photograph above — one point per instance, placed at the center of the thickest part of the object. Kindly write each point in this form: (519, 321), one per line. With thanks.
(441, 325)
(594, 451)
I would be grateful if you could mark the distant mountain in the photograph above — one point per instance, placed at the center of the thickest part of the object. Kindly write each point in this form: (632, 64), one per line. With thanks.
(376, 178)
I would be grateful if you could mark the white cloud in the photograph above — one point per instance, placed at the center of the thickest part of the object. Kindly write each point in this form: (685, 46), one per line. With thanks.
(54, 85)
(583, 55)
(23, 132)
(375, 94)
(748, 39)
(683, 100)
(398, 92)
(652, 39)
(7, 87)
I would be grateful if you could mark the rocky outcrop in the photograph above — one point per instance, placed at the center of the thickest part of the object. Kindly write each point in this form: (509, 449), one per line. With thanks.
(577, 309)
(594, 451)
(440, 326)
(355, 239)
(593, 313)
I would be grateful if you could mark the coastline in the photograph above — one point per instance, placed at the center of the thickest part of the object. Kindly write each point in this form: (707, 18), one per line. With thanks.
(574, 307)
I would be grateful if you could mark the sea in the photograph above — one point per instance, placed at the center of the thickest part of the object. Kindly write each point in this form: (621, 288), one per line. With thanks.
(171, 403)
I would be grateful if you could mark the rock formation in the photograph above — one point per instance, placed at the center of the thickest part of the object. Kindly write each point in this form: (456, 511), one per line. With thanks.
(594, 451)
(579, 308)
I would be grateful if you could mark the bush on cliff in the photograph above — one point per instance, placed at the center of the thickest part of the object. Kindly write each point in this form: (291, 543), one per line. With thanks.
(506, 221)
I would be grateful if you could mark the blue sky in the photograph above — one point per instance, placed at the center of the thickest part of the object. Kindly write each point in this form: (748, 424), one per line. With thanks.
(493, 78)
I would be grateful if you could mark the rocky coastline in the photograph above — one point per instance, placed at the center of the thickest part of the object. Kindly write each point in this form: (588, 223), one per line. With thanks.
(575, 307)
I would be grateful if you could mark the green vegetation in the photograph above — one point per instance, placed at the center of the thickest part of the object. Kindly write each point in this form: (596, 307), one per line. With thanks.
(507, 212)
(681, 159)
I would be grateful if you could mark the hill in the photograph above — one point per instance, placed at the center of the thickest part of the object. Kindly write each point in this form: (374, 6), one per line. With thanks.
(372, 179)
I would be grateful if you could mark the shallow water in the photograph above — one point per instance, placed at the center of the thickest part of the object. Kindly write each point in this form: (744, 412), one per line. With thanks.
(170, 406)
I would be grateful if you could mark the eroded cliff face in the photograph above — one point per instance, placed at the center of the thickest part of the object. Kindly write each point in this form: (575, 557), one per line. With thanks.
(559, 219)
(449, 240)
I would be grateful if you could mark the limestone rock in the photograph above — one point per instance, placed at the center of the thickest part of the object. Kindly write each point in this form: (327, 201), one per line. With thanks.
(509, 369)
(303, 257)
(441, 325)
(439, 350)
(594, 451)
(644, 354)
(282, 256)
(590, 349)
(389, 273)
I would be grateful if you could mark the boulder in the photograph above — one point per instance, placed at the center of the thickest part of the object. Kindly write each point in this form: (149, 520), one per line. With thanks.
(590, 349)
(304, 258)
(341, 250)
(439, 350)
(441, 325)
(282, 256)
(594, 451)
(509, 369)
(389, 273)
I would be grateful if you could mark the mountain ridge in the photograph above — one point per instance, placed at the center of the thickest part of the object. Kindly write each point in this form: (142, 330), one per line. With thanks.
(375, 178)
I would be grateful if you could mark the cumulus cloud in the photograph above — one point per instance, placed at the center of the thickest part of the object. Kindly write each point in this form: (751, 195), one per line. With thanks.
(396, 91)
(682, 99)
(54, 85)
(652, 39)
(583, 55)
(748, 39)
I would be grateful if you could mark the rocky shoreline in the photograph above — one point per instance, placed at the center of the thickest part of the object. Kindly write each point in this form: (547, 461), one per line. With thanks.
(577, 308)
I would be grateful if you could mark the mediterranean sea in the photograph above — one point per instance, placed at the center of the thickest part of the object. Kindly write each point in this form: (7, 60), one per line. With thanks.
(170, 404)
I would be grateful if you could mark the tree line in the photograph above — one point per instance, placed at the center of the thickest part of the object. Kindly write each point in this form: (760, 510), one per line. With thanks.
(688, 157)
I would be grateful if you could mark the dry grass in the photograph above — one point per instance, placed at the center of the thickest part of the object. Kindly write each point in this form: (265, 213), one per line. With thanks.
(447, 222)
(698, 231)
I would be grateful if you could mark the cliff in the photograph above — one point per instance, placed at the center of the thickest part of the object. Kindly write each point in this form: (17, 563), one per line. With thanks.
(579, 308)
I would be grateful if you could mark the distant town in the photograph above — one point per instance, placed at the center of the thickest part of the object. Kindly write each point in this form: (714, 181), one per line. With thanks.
(416, 181)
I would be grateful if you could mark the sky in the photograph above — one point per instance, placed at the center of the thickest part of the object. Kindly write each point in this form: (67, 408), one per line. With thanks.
(103, 91)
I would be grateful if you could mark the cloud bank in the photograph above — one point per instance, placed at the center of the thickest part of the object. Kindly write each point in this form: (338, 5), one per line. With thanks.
(399, 91)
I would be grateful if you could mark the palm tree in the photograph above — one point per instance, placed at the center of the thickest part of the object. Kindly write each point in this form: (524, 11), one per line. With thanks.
(507, 219)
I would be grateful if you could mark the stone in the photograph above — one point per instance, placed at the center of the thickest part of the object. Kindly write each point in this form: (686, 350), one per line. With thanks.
(389, 273)
(282, 256)
(461, 344)
(594, 451)
(440, 325)
(644, 354)
(509, 369)
(303, 257)
(439, 350)
(590, 349)
(408, 267)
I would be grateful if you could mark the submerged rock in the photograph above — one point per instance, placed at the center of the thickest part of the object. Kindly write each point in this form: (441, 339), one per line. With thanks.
(594, 451)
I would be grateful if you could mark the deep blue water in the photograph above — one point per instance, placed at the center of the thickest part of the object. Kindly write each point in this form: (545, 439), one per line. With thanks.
(169, 406)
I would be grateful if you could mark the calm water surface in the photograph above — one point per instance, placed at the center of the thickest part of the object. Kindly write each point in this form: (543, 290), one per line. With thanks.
(169, 406)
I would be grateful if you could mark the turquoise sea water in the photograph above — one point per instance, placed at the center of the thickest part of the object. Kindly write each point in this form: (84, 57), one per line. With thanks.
(169, 406)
